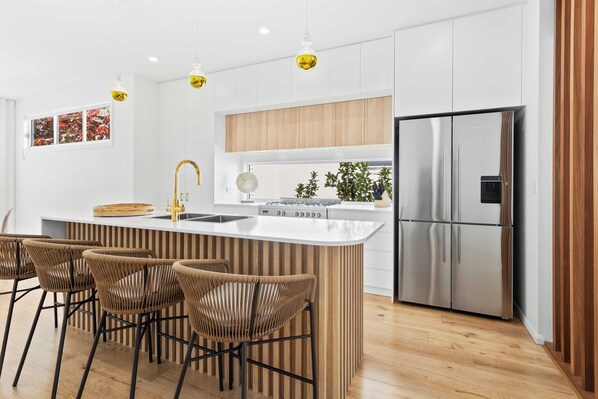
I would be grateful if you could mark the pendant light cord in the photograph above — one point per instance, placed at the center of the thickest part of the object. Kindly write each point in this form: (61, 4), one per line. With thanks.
(196, 30)
(306, 29)
(118, 62)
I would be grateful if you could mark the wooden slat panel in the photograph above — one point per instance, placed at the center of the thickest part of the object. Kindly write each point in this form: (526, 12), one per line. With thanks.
(339, 304)
(283, 129)
(256, 132)
(317, 126)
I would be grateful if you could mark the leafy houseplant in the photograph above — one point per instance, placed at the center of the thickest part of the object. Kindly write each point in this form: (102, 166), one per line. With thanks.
(353, 182)
(385, 180)
(310, 189)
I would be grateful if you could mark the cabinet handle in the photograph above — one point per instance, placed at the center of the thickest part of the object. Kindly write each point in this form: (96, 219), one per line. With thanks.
(458, 244)
(443, 243)
(187, 197)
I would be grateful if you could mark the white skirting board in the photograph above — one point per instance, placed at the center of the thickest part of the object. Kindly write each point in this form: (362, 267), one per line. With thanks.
(377, 291)
(537, 337)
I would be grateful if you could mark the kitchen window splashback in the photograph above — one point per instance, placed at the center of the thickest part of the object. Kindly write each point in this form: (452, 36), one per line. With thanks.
(73, 127)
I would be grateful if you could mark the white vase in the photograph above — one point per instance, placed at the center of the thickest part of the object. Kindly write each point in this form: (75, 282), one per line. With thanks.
(384, 202)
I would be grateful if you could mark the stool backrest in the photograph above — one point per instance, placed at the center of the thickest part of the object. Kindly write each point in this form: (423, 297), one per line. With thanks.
(15, 261)
(240, 308)
(133, 281)
(60, 265)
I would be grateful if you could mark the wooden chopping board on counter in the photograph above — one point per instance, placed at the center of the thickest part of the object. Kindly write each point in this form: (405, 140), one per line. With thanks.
(130, 209)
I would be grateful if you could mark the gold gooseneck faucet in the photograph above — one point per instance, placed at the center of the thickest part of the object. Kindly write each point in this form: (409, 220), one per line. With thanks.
(176, 207)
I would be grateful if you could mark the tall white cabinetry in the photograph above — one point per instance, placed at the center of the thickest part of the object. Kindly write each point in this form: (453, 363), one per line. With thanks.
(424, 70)
(487, 60)
(468, 63)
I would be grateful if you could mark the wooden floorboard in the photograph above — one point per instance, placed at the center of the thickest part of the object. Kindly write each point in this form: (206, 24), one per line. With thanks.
(410, 352)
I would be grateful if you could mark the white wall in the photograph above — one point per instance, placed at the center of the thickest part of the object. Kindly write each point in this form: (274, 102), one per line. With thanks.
(187, 132)
(7, 125)
(533, 280)
(53, 181)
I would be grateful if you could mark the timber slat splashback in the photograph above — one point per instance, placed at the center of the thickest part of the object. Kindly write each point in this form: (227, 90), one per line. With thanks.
(339, 304)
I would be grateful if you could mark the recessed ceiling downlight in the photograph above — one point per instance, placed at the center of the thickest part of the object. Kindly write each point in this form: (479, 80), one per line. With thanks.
(152, 59)
(264, 31)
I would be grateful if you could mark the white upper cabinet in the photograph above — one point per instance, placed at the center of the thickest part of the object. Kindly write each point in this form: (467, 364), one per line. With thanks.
(246, 86)
(487, 60)
(274, 82)
(423, 69)
(315, 83)
(224, 90)
(377, 65)
(345, 70)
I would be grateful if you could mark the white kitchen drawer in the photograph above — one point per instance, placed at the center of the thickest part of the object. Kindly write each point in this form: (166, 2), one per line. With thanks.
(380, 260)
(381, 241)
(380, 279)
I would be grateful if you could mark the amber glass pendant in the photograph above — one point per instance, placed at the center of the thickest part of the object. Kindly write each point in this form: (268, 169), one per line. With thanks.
(197, 79)
(118, 92)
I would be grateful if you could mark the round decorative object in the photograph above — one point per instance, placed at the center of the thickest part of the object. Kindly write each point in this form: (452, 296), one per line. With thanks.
(247, 182)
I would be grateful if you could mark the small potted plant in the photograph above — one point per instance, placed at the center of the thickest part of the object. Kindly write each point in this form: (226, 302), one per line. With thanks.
(381, 197)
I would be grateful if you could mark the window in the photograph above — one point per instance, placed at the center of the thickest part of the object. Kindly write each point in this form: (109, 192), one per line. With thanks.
(42, 131)
(87, 124)
(280, 180)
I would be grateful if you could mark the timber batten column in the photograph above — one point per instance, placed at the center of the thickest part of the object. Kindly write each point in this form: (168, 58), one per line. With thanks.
(339, 301)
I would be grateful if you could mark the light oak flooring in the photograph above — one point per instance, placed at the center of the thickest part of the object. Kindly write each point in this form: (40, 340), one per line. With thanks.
(410, 352)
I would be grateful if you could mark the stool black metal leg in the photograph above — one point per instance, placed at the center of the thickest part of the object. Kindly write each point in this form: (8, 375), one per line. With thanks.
(94, 315)
(243, 358)
(220, 360)
(11, 307)
(55, 310)
(31, 332)
(65, 319)
(148, 339)
(179, 386)
(138, 335)
(312, 338)
(92, 354)
(231, 368)
(158, 338)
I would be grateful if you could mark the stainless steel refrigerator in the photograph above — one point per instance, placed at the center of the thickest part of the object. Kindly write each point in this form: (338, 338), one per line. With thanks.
(455, 212)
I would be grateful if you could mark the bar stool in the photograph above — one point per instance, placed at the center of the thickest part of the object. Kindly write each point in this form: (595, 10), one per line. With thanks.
(60, 268)
(230, 308)
(131, 282)
(16, 265)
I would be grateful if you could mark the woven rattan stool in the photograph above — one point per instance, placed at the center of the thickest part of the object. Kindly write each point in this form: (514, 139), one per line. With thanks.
(230, 308)
(132, 282)
(60, 268)
(16, 265)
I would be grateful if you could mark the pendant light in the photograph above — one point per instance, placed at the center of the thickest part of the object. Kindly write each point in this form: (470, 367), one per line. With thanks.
(306, 58)
(118, 92)
(197, 79)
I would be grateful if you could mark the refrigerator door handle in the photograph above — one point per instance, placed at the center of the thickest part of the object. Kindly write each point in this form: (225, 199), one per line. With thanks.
(443, 243)
(443, 187)
(459, 183)
(458, 244)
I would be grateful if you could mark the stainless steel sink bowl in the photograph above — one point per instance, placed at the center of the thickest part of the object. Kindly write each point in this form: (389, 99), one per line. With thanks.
(219, 218)
(185, 216)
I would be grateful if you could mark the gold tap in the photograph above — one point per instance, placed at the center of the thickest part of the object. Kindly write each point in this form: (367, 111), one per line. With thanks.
(176, 207)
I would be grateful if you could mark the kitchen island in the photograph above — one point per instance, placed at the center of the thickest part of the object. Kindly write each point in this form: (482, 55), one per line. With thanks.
(330, 249)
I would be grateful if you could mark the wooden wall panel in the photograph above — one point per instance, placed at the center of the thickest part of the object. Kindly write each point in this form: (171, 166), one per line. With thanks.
(575, 178)
(339, 305)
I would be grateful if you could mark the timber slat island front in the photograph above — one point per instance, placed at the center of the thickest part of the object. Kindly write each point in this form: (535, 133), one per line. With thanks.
(330, 249)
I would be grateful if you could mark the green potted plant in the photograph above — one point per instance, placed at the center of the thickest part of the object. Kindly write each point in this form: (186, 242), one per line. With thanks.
(310, 189)
(353, 182)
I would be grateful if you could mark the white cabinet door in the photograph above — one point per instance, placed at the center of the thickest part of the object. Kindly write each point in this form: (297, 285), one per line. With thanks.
(274, 82)
(246, 86)
(423, 69)
(224, 90)
(487, 63)
(377, 63)
(345, 70)
(315, 83)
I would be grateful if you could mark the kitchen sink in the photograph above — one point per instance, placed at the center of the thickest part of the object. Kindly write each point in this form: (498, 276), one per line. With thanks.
(219, 218)
(185, 216)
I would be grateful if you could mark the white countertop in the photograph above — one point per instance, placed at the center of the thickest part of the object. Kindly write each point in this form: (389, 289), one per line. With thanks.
(289, 230)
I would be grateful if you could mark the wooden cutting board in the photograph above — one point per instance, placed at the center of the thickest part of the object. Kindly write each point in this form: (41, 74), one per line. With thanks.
(130, 209)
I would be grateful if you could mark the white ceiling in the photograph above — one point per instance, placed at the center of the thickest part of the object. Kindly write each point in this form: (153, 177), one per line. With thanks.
(46, 45)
